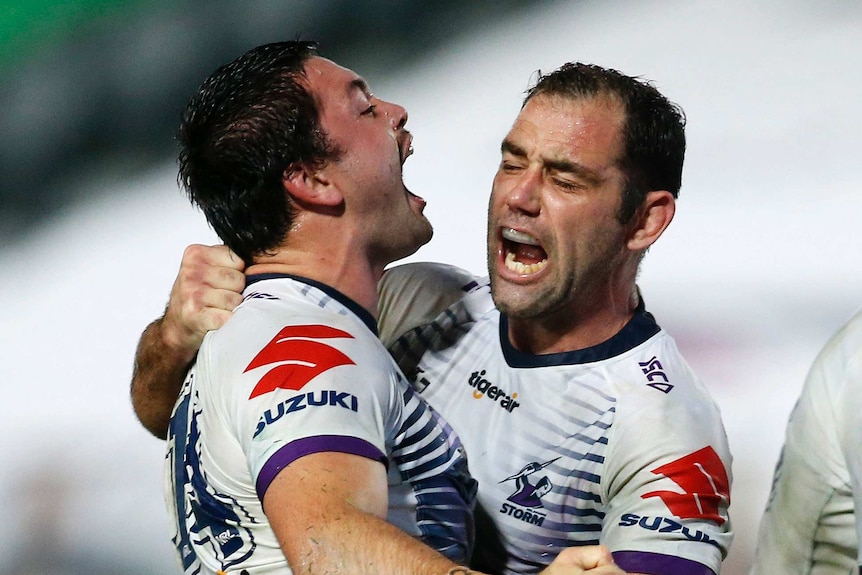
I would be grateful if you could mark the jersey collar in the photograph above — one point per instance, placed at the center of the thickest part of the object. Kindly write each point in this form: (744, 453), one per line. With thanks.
(640, 328)
(350, 304)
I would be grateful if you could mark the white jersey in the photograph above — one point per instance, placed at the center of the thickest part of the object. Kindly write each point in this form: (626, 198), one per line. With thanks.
(618, 444)
(809, 526)
(297, 370)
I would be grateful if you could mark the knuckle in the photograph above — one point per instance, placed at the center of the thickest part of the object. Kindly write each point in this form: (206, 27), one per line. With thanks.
(193, 252)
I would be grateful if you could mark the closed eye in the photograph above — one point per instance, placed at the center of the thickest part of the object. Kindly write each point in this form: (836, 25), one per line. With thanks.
(510, 167)
(567, 185)
(369, 110)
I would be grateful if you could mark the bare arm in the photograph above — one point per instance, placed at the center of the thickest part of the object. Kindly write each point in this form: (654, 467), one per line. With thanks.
(207, 288)
(345, 518)
(328, 511)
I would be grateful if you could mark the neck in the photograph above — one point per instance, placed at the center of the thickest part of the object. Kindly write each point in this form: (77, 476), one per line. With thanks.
(348, 273)
(571, 329)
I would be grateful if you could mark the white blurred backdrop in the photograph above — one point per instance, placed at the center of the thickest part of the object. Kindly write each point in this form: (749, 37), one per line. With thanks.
(757, 270)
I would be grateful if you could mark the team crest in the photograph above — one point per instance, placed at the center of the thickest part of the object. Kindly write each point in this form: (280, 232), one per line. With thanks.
(529, 488)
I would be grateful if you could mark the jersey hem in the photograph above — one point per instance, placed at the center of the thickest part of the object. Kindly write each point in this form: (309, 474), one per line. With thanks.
(306, 446)
(658, 564)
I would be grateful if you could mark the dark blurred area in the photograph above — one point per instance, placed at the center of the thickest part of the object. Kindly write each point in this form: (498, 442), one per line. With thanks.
(93, 89)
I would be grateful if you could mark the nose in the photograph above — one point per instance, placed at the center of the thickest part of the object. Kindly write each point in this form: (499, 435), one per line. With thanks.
(396, 114)
(523, 195)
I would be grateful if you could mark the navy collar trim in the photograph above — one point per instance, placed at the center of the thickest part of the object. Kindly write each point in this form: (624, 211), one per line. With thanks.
(350, 304)
(640, 328)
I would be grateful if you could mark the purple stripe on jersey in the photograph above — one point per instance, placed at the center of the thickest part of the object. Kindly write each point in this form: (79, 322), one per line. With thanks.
(308, 445)
(658, 564)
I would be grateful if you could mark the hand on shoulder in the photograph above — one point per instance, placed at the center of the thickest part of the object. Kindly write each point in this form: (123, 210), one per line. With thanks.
(208, 287)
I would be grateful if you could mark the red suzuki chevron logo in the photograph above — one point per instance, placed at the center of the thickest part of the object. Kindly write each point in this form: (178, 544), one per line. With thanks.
(704, 481)
(301, 358)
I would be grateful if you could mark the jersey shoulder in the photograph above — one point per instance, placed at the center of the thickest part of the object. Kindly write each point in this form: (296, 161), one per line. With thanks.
(414, 294)
(837, 369)
(287, 337)
(664, 399)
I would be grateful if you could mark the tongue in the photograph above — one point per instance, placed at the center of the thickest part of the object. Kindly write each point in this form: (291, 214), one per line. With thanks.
(527, 254)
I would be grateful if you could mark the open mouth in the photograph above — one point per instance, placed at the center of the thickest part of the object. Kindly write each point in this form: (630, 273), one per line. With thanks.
(405, 146)
(404, 141)
(522, 253)
(418, 200)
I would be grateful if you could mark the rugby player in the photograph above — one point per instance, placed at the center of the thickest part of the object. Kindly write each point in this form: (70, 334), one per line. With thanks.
(582, 421)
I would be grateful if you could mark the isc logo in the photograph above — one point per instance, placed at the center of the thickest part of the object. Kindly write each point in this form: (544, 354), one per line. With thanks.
(654, 373)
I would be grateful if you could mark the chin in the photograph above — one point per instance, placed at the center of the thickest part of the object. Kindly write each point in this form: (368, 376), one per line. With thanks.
(517, 301)
(428, 232)
(421, 237)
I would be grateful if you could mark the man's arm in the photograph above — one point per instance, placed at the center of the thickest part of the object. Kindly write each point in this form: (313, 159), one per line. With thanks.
(670, 463)
(328, 511)
(207, 289)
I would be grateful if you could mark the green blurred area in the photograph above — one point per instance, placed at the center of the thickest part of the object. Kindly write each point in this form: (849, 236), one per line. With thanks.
(27, 26)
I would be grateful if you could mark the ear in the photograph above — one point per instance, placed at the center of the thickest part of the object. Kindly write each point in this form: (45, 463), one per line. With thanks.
(650, 221)
(311, 187)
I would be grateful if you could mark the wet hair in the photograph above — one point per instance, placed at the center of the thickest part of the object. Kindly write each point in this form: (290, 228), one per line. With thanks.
(249, 122)
(653, 132)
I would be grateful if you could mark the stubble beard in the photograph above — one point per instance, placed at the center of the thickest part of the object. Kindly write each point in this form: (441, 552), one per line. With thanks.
(553, 293)
(527, 301)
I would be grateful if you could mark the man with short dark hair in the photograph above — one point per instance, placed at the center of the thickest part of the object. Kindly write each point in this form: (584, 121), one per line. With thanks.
(583, 423)
(292, 412)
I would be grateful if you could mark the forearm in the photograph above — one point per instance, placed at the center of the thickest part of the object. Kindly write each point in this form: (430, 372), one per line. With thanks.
(361, 544)
(159, 370)
(327, 510)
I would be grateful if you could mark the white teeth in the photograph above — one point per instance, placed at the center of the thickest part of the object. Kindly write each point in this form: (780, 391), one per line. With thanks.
(524, 269)
(520, 237)
(405, 147)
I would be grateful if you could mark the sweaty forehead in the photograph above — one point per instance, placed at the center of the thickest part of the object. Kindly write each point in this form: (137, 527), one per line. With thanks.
(586, 128)
(325, 75)
(317, 66)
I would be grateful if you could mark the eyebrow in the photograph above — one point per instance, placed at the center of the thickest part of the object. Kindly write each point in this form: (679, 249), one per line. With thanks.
(358, 84)
(555, 164)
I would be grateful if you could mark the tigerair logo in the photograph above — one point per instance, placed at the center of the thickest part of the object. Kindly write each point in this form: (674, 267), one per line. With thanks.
(525, 503)
(484, 388)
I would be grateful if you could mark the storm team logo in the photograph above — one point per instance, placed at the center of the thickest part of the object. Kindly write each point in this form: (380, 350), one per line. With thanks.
(300, 357)
(529, 490)
(527, 493)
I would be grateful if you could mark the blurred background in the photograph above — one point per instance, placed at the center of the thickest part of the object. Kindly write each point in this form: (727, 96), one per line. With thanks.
(757, 271)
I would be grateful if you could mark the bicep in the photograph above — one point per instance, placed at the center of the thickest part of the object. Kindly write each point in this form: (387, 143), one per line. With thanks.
(323, 490)
(668, 485)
